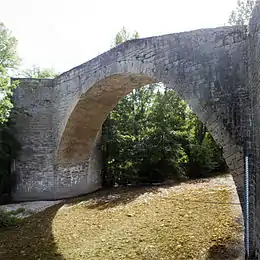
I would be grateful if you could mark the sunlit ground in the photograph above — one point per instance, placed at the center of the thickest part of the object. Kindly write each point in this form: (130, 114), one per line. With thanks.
(187, 221)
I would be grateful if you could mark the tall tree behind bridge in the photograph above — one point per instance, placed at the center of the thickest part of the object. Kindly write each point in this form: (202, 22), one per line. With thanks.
(9, 58)
(9, 61)
(40, 73)
(123, 35)
(109, 130)
(242, 14)
(151, 135)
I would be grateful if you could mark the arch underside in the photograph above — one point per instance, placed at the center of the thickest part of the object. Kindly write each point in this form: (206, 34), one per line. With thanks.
(204, 67)
(90, 112)
(83, 126)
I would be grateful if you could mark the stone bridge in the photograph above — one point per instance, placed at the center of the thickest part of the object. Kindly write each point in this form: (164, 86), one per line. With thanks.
(215, 70)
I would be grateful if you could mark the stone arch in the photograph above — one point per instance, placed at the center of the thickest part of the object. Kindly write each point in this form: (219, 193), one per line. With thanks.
(207, 68)
(91, 111)
(204, 67)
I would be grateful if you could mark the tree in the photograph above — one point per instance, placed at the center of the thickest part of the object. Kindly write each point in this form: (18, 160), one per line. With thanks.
(8, 145)
(123, 36)
(204, 155)
(8, 60)
(242, 14)
(152, 135)
(37, 72)
(111, 143)
(6, 91)
(8, 49)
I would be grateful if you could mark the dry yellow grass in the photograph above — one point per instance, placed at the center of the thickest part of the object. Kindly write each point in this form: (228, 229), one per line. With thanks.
(141, 223)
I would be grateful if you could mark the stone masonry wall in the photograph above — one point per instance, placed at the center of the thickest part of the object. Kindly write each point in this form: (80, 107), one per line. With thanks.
(33, 125)
(253, 145)
(35, 173)
(205, 67)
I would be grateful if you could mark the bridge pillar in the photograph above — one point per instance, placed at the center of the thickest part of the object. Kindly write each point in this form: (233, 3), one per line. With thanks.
(33, 168)
(253, 133)
(35, 174)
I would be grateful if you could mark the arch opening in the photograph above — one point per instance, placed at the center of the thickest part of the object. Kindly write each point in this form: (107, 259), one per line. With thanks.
(78, 149)
(91, 111)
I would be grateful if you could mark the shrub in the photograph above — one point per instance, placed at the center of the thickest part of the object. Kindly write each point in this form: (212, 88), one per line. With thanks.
(9, 218)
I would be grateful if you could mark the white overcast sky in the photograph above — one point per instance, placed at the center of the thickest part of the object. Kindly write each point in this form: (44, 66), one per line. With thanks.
(62, 34)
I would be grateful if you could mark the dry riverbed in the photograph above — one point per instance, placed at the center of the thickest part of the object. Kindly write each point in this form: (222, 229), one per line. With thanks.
(193, 220)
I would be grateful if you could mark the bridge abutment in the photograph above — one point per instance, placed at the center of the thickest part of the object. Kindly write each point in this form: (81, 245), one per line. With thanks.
(36, 175)
(58, 120)
(253, 133)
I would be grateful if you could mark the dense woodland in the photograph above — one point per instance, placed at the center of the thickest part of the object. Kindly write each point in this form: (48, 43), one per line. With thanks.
(151, 135)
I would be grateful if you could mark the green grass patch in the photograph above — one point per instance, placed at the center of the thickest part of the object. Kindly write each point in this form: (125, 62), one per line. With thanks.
(9, 218)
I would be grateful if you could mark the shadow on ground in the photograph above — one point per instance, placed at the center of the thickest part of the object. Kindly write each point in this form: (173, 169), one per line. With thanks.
(113, 197)
(109, 198)
(31, 239)
(223, 250)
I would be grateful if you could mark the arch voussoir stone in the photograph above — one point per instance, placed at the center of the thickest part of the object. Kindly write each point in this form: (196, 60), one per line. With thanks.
(205, 67)
(216, 71)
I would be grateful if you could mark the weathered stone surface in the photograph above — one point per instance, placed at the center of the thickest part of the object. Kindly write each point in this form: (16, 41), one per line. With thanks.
(253, 133)
(215, 70)
(205, 67)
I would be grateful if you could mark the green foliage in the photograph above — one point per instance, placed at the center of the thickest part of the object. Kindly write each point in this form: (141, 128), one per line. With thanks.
(205, 156)
(123, 35)
(242, 14)
(8, 49)
(9, 218)
(17, 211)
(152, 135)
(9, 148)
(8, 60)
(37, 72)
(8, 145)
(6, 92)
